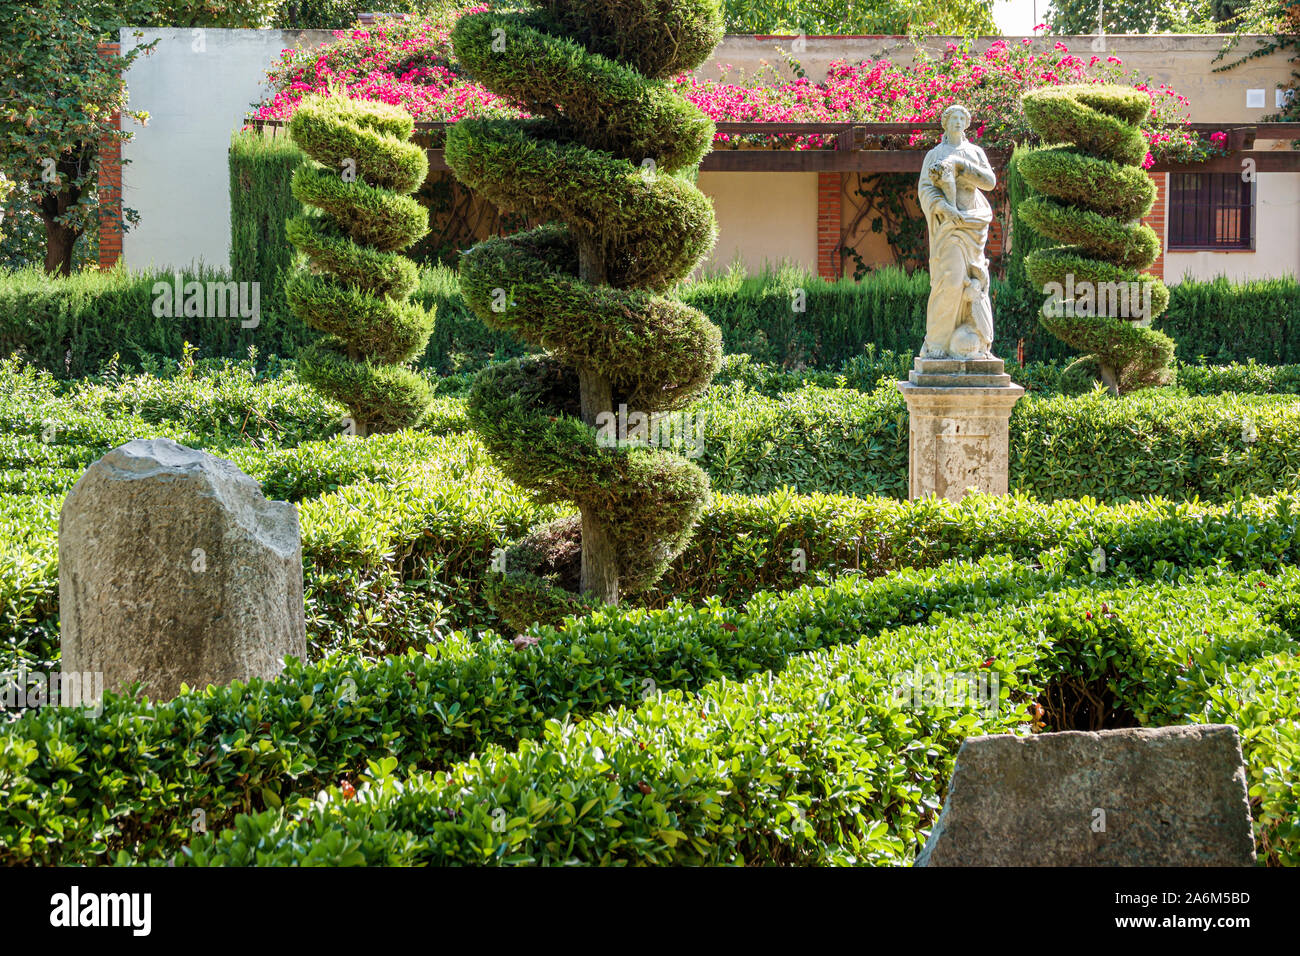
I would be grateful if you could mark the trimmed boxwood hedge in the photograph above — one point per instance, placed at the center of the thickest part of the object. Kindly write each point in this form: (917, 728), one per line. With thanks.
(817, 764)
(1159, 443)
(398, 533)
(123, 786)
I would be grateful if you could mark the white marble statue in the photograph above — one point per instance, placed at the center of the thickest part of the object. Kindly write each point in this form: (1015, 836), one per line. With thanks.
(959, 316)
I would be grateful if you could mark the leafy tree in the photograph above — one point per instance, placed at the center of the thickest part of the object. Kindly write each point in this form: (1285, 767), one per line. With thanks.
(57, 101)
(860, 16)
(364, 172)
(1130, 16)
(1090, 192)
(58, 96)
(609, 160)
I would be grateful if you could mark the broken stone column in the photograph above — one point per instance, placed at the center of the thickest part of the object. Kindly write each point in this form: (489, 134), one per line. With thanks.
(959, 415)
(173, 568)
(1166, 796)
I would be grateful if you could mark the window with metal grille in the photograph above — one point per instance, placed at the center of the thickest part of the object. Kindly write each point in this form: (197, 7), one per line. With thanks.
(1211, 211)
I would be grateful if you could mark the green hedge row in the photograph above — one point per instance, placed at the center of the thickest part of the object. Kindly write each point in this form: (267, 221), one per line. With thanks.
(1164, 443)
(80, 786)
(399, 532)
(819, 764)
(74, 326)
(867, 371)
(125, 785)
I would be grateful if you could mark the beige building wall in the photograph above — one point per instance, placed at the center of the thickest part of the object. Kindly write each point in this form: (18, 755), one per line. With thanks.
(764, 219)
(1277, 239)
(1186, 63)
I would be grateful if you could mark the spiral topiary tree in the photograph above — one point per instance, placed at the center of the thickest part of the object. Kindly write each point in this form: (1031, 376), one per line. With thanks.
(1091, 192)
(358, 286)
(607, 163)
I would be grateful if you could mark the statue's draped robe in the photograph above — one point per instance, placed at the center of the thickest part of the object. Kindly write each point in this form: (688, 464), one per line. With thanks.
(956, 249)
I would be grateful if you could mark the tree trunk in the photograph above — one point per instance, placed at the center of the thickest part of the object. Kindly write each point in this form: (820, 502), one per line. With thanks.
(59, 239)
(599, 555)
(1109, 377)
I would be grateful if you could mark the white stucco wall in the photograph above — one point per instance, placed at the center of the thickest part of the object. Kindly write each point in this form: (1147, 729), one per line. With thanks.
(1277, 239)
(197, 86)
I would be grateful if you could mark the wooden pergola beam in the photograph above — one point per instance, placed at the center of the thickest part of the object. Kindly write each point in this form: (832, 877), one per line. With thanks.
(854, 153)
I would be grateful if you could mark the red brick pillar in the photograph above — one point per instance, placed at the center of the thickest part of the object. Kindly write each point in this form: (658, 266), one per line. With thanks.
(110, 187)
(1156, 220)
(829, 192)
(994, 249)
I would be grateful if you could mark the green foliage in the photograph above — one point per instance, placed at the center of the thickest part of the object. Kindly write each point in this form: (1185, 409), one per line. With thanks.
(73, 326)
(60, 98)
(261, 169)
(234, 14)
(1087, 194)
(686, 778)
(1073, 17)
(322, 14)
(1250, 378)
(398, 529)
(836, 17)
(847, 442)
(426, 710)
(363, 168)
(607, 163)
(1228, 321)
(266, 745)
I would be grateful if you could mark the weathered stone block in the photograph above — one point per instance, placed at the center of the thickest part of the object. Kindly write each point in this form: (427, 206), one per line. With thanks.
(173, 568)
(1168, 796)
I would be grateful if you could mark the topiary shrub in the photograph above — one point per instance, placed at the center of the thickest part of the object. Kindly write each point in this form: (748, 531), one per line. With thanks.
(1091, 193)
(610, 157)
(358, 286)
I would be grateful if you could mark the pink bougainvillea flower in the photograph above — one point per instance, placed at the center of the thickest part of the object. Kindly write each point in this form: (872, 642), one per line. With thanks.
(409, 62)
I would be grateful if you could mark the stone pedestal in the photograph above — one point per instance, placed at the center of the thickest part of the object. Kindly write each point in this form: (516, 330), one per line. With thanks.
(959, 414)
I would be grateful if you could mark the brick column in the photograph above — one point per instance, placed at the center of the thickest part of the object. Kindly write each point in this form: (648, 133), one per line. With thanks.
(995, 249)
(829, 192)
(110, 187)
(1156, 220)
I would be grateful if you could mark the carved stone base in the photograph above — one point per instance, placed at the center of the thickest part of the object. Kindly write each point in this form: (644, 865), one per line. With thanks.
(959, 415)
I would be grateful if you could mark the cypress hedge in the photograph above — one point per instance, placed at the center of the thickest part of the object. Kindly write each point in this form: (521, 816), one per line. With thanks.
(261, 168)
(96, 314)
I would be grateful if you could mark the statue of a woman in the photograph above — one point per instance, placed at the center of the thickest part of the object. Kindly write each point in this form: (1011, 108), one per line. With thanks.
(959, 317)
